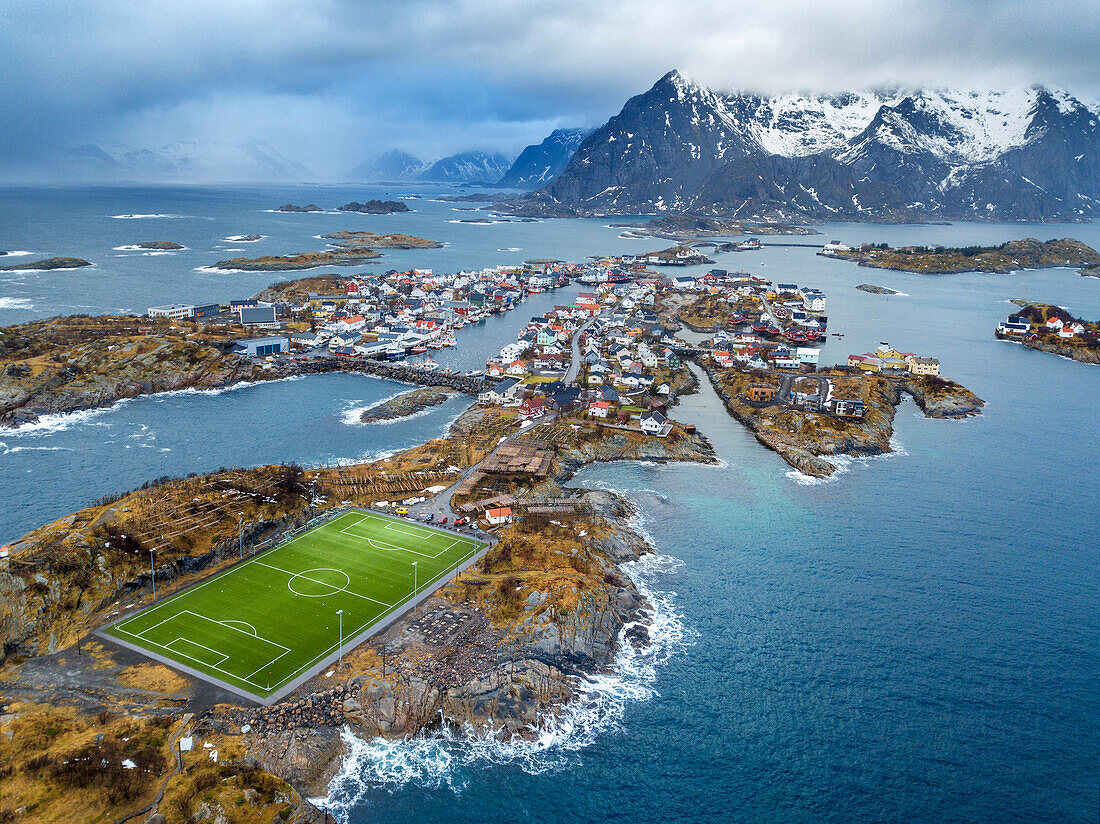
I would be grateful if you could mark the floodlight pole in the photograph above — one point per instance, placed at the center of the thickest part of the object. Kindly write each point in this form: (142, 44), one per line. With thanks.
(415, 587)
(240, 535)
(153, 573)
(340, 614)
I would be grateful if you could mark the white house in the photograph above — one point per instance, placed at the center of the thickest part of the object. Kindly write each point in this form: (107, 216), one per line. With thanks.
(502, 515)
(654, 423)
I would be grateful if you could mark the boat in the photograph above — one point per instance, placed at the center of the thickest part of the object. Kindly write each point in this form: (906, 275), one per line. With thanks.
(428, 365)
(419, 349)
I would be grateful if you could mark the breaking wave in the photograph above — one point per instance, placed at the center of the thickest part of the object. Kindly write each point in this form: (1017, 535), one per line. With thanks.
(844, 464)
(16, 303)
(445, 759)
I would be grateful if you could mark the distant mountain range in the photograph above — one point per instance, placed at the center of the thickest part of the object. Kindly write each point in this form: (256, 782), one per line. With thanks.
(182, 161)
(1024, 154)
(464, 167)
(536, 165)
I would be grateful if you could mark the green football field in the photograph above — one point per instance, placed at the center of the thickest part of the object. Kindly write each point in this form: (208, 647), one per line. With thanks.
(268, 621)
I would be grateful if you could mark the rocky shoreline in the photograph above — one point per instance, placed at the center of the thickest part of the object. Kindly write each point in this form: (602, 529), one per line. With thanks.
(1013, 256)
(806, 441)
(547, 605)
(111, 359)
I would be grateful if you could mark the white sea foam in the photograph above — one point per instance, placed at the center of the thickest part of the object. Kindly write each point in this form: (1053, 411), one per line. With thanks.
(510, 249)
(60, 269)
(439, 760)
(244, 239)
(145, 217)
(59, 422)
(322, 212)
(214, 270)
(350, 416)
(65, 420)
(844, 463)
(16, 303)
(6, 450)
(16, 253)
(133, 247)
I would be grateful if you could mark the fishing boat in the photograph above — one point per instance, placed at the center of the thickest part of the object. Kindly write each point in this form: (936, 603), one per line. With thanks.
(429, 365)
(419, 349)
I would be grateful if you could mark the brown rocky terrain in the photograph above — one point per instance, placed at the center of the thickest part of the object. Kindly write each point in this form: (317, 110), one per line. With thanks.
(407, 403)
(72, 363)
(805, 439)
(1028, 253)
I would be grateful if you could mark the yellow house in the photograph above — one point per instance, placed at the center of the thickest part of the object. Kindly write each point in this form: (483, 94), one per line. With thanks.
(923, 366)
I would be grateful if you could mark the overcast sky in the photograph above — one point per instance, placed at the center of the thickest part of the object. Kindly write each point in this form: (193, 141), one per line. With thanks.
(331, 82)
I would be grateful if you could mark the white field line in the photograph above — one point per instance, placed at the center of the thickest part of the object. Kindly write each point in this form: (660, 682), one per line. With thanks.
(335, 589)
(217, 666)
(349, 634)
(187, 640)
(226, 573)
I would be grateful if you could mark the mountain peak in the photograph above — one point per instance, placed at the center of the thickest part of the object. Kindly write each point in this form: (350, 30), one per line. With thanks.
(901, 154)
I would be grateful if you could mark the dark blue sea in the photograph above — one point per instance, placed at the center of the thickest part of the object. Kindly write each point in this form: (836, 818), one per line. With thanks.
(917, 639)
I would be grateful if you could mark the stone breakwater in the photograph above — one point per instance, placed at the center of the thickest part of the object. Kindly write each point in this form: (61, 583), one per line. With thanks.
(468, 385)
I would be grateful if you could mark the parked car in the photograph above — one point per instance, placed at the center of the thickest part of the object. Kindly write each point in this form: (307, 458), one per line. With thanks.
(443, 521)
(402, 510)
(430, 518)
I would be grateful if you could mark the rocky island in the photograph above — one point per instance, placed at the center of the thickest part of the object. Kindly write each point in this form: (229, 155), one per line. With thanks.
(876, 290)
(786, 412)
(72, 363)
(406, 404)
(161, 245)
(290, 207)
(689, 227)
(300, 260)
(49, 264)
(354, 240)
(677, 256)
(1013, 256)
(1052, 329)
(375, 207)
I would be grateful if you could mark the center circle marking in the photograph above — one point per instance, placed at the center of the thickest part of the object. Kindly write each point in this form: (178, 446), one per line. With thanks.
(312, 578)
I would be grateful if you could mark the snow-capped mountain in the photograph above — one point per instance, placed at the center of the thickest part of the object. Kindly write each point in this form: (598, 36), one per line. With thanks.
(540, 163)
(468, 167)
(1022, 154)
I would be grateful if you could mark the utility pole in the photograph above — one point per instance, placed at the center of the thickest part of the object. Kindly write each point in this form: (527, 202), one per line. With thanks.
(240, 535)
(153, 573)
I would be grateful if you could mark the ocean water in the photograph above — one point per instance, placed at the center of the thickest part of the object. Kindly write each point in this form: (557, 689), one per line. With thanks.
(914, 639)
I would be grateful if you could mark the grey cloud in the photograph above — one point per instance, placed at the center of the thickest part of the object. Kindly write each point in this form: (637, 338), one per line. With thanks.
(328, 82)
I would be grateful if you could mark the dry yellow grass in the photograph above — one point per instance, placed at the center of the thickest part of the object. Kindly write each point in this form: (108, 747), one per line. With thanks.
(155, 677)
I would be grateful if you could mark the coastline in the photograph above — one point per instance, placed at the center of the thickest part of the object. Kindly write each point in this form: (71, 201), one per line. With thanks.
(528, 666)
